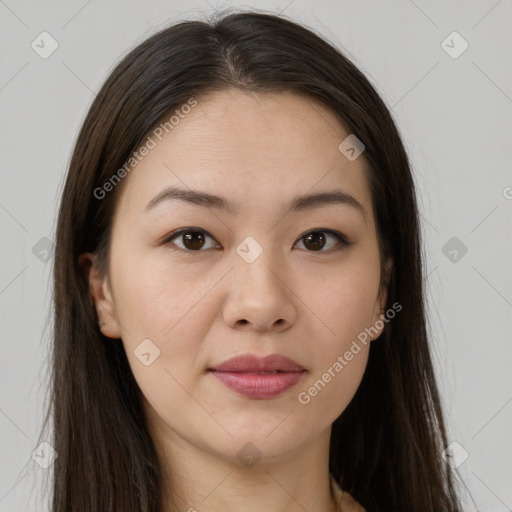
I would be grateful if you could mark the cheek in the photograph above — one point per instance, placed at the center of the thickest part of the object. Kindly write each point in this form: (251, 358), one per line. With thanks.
(327, 392)
(160, 301)
(344, 308)
(344, 305)
(158, 308)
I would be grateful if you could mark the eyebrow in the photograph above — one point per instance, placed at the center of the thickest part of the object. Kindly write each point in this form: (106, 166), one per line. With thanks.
(298, 203)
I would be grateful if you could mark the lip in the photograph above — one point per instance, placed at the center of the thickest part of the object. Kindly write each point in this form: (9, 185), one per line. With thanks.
(254, 363)
(251, 376)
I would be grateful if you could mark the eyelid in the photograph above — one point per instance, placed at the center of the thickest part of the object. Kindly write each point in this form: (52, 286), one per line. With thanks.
(342, 238)
(333, 232)
(167, 239)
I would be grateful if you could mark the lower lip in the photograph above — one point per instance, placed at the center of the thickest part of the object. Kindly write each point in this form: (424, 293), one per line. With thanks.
(259, 385)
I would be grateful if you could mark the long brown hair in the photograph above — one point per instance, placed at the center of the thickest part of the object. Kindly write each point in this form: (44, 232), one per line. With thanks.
(386, 446)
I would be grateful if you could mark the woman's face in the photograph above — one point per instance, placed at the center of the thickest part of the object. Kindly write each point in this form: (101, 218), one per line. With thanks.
(248, 275)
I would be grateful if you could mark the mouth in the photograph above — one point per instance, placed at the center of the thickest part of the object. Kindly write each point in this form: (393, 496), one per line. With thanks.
(259, 377)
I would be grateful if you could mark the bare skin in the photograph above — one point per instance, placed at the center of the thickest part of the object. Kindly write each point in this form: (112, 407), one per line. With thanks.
(202, 306)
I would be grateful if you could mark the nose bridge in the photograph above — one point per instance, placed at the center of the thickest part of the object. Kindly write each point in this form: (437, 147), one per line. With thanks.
(261, 296)
(258, 264)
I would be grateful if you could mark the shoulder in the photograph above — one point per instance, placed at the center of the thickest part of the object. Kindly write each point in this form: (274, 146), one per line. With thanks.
(345, 502)
(349, 504)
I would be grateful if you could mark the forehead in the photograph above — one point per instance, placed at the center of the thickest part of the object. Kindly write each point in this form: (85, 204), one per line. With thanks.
(252, 148)
(267, 120)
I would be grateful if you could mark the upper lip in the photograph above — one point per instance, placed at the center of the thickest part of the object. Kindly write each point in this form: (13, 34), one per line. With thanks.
(254, 363)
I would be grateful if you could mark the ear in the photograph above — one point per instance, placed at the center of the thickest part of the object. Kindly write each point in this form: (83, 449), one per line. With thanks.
(380, 303)
(101, 295)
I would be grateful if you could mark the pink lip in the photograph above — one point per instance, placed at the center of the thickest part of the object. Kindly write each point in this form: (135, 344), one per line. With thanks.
(246, 375)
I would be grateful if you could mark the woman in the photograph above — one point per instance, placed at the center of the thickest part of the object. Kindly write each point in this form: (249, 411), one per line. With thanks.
(239, 309)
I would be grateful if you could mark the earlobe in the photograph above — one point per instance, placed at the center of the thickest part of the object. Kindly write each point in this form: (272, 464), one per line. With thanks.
(378, 324)
(101, 295)
(380, 304)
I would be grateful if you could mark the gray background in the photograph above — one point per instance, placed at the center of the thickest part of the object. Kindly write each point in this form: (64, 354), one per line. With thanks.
(454, 115)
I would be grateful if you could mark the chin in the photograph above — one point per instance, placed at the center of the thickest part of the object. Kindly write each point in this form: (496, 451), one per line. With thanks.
(251, 445)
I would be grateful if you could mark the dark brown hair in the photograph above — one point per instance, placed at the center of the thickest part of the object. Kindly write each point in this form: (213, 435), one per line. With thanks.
(386, 446)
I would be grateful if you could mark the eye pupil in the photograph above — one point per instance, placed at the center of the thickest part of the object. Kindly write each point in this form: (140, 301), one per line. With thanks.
(193, 240)
(316, 239)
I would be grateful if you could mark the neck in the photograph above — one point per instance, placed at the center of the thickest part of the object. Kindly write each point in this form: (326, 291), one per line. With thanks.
(195, 479)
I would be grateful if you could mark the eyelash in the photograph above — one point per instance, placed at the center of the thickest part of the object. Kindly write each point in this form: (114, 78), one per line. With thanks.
(342, 239)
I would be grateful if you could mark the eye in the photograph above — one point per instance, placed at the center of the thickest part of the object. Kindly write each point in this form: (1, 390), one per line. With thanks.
(316, 240)
(193, 239)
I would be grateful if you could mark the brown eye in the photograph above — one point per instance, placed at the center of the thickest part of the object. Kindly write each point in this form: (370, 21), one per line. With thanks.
(196, 240)
(316, 240)
(191, 239)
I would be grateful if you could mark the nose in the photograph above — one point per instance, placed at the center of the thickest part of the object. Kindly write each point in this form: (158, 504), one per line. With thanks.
(260, 296)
